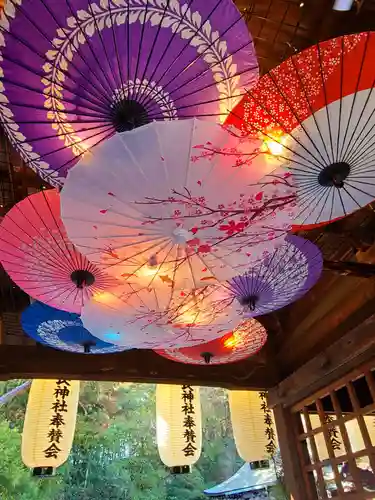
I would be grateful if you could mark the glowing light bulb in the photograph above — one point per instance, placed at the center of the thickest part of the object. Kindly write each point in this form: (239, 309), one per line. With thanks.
(191, 314)
(103, 297)
(150, 270)
(274, 147)
(230, 342)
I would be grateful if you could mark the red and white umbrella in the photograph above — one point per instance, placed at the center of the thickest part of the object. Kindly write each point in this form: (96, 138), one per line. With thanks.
(315, 113)
(178, 204)
(37, 254)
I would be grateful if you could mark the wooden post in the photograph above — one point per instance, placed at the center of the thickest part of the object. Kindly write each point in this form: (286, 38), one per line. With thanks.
(286, 432)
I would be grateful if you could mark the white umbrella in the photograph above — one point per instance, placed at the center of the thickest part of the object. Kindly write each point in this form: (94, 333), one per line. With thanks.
(144, 318)
(176, 204)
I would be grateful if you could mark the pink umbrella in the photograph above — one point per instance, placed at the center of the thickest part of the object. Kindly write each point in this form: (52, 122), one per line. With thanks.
(38, 256)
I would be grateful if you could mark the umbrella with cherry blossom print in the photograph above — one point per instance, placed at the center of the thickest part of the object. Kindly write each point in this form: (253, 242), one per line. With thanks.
(37, 254)
(192, 208)
(158, 319)
(278, 279)
(315, 113)
(74, 73)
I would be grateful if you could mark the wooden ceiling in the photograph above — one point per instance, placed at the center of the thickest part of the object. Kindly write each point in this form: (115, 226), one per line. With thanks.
(298, 332)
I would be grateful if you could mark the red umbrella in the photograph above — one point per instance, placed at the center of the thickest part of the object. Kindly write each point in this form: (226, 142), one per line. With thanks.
(37, 254)
(245, 341)
(315, 112)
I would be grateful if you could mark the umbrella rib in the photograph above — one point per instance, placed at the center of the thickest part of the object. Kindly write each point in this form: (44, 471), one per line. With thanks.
(119, 65)
(63, 236)
(49, 176)
(50, 232)
(310, 196)
(204, 72)
(121, 261)
(25, 270)
(350, 195)
(341, 96)
(52, 136)
(89, 5)
(198, 103)
(363, 166)
(128, 39)
(43, 108)
(360, 190)
(294, 113)
(353, 101)
(212, 84)
(187, 44)
(166, 49)
(357, 155)
(61, 84)
(309, 105)
(51, 256)
(264, 134)
(47, 38)
(141, 44)
(89, 45)
(353, 148)
(325, 102)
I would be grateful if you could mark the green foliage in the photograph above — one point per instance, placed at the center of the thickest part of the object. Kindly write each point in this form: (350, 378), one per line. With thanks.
(15, 480)
(114, 455)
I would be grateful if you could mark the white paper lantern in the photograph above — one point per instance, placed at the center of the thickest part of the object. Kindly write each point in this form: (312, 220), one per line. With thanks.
(249, 427)
(178, 426)
(49, 424)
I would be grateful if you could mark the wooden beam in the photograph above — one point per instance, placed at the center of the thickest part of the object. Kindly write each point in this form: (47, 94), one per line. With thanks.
(357, 346)
(343, 308)
(358, 269)
(286, 424)
(131, 366)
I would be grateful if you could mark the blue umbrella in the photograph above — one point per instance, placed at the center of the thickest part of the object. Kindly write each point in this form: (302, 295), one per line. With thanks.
(62, 330)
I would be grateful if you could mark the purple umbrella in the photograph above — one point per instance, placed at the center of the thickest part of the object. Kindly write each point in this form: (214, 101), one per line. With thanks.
(75, 72)
(279, 279)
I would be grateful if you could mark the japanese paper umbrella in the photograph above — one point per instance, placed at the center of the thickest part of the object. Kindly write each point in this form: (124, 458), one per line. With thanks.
(316, 113)
(75, 72)
(62, 330)
(244, 341)
(280, 279)
(184, 211)
(142, 318)
(40, 259)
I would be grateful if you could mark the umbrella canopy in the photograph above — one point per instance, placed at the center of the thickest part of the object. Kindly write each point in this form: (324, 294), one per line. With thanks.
(183, 212)
(86, 70)
(244, 341)
(280, 279)
(37, 254)
(316, 113)
(147, 319)
(62, 330)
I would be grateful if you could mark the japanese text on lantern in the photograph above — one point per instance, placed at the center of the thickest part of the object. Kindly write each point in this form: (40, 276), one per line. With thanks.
(57, 422)
(188, 410)
(268, 422)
